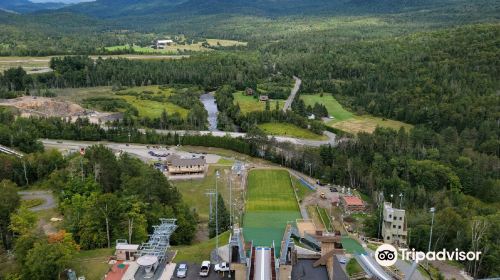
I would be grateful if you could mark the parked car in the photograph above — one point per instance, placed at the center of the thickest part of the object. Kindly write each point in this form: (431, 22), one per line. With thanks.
(333, 189)
(205, 268)
(182, 270)
(342, 260)
(221, 267)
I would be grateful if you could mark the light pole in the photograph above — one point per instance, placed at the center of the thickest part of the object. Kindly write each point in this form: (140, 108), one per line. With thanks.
(217, 174)
(400, 200)
(230, 200)
(432, 210)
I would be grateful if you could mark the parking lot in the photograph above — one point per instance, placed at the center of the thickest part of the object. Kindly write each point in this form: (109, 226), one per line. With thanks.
(194, 270)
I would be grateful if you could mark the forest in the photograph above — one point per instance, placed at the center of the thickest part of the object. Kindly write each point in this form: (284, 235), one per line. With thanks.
(436, 70)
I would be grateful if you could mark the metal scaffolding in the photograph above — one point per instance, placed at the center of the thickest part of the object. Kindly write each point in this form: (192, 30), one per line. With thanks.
(159, 241)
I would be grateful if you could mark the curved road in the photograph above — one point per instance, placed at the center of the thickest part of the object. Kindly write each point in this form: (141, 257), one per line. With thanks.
(304, 142)
(49, 201)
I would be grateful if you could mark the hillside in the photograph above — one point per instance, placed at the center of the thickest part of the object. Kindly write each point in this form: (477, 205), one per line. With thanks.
(25, 6)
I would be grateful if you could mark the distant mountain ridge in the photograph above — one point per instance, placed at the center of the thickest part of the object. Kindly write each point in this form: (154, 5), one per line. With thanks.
(134, 8)
(25, 6)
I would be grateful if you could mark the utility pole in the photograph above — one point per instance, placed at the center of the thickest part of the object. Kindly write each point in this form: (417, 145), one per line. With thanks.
(210, 193)
(217, 174)
(400, 200)
(430, 236)
(230, 199)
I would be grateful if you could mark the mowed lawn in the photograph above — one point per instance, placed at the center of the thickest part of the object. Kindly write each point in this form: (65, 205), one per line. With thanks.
(334, 108)
(347, 121)
(251, 104)
(290, 130)
(92, 264)
(270, 205)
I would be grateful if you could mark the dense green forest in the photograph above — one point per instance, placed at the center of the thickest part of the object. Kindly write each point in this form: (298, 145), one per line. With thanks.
(433, 64)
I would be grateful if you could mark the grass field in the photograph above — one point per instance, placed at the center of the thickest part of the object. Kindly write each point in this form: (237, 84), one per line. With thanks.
(146, 108)
(367, 123)
(251, 104)
(334, 108)
(91, 263)
(175, 48)
(325, 218)
(193, 191)
(300, 188)
(199, 252)
(31, 63)
(290, 130)
(347, 121)
(270, 205)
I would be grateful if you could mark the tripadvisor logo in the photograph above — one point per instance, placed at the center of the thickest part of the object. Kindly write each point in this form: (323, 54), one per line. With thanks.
(387, 255)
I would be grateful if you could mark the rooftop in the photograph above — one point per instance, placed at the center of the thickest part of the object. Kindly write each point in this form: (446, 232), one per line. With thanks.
(353, 201)
(176, 160)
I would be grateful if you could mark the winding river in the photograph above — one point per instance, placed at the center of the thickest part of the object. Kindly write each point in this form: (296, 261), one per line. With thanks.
(208, 101)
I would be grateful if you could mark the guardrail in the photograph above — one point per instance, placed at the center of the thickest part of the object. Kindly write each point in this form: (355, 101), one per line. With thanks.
(9, 151)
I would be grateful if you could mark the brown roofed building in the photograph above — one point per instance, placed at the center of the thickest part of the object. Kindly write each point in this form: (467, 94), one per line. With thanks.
(352, 204)
(182, 166)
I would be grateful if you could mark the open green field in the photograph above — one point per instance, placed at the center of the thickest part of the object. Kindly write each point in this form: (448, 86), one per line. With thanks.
(32, 63)
(290, 130)
(92, 264)
(334, 108)
(251, 104)
(347, 121)
(193, 190)
(270, 205)
(367, 123)
(146, 108)
(301, 190)
(175, 48)
(200, 251)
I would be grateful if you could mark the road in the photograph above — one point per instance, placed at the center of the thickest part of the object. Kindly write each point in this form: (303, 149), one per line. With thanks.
(49, 201)
(293, 93)
(303, 142)
(138, 150)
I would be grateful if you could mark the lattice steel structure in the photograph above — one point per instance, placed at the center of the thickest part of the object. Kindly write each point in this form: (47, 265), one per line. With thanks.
(159, 241)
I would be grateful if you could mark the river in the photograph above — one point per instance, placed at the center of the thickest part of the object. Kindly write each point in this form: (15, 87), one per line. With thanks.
(208, 101)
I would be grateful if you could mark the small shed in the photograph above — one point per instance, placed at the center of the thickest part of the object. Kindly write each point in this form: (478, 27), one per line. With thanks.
(263, 98)
(126, 252)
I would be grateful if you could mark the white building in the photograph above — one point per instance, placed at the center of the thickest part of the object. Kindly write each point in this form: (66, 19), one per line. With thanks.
(161, 44)
(394, 229)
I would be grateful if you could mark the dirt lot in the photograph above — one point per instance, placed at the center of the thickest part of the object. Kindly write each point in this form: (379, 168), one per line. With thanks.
(50, 107)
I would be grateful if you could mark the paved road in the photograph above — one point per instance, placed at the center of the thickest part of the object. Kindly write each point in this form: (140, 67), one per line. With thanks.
(293, 93)
(49, 201)
(194, 273)
(141, 151)
(304, 142)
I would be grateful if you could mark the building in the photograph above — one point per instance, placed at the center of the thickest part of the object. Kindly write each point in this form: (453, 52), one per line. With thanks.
(161, 44)
(352, 203)
(184, 166)
(263, 98)
(394, 229)
(125, 251)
